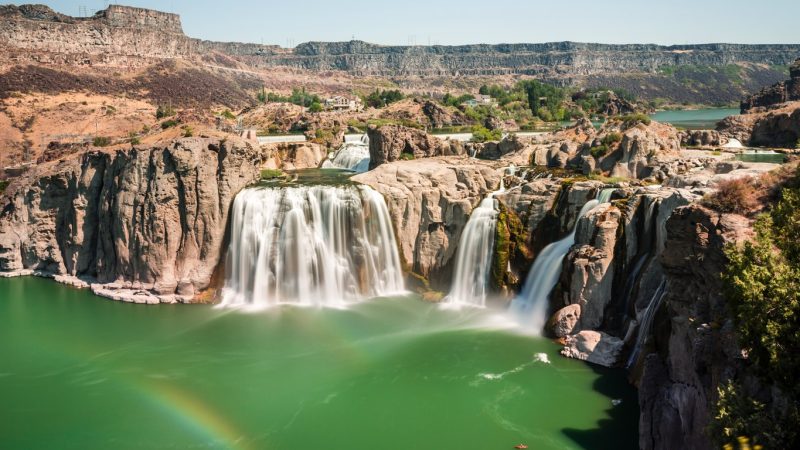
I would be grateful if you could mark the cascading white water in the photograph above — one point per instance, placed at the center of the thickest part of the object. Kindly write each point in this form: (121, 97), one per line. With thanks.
(310, 245)
(474, 258)
(532, 302)
(646, 322)
(352, 155)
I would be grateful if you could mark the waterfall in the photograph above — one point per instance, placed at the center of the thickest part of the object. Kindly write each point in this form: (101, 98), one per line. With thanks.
(352, 155)
(474, 257)
(647, 322)
(543, 277)
(310, 245)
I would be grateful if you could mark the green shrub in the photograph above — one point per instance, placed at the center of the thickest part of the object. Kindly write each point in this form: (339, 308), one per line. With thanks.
(611, 139)
(483, 134)
(406, 156)
(381, 98)
(762, 286)
(3, 186)
(633, 119)
(228, 114)
(164, 111)
(797, 146)
(145, 129)
(599, 151)
(315, 107)
(188, 131)
(101, 141)
(169, 124)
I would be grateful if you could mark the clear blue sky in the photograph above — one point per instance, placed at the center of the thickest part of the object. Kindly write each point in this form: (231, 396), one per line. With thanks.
(473, 21)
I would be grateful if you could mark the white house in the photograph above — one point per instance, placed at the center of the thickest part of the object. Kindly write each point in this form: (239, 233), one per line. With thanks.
(341, 103)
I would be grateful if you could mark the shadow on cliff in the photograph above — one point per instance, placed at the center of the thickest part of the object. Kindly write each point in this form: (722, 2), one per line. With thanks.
(620, 430)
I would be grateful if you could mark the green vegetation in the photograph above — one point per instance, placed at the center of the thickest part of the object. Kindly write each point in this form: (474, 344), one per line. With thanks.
(164, 111)
(187, 131)
(382, 122)
(101, 141)
(133, 138)
(228, 114)
(169, 124)
(381, 98)
(797, 146)
(612, 138)
(599, 151)
(262, 96)
(762, 286)
(451, 100)
(633, 119)
(483, 134)
(407, 156)
(315, 107)
(302, 98)
(271, 174)
(3, 185)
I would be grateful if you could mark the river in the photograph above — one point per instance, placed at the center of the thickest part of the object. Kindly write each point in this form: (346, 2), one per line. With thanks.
(82, 372)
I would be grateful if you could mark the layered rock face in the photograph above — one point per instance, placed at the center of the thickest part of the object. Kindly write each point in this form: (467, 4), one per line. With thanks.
(430, 201)
(143, 224)
(784, 91)
(364, 59)
(390, 143)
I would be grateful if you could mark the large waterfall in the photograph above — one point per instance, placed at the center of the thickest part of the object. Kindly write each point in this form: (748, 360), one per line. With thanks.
(352, 155)
(532, 303)
(310, 245)
(474, 257)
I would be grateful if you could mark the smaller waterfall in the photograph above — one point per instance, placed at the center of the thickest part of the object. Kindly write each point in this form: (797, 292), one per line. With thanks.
(647, 322)
(532, 302)
(474, 257)
(352, 155)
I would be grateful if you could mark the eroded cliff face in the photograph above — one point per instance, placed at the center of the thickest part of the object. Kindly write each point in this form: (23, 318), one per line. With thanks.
(430, 201)
(391, 143)
(143, 224)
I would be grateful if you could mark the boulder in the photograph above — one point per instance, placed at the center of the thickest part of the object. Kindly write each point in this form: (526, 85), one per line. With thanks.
(593, 346)
(565, 320)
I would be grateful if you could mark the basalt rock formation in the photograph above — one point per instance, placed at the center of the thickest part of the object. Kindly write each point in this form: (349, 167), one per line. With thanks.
(784, 91)
(143, 225)
(390, 143)
(430, 201)
(124, 36)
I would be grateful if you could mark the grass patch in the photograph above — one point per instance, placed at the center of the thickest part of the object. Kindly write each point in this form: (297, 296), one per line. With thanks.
(101, 141)
(271, 174)
(169, 124)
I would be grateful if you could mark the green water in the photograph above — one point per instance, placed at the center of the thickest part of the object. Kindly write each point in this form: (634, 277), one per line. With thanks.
(79, 372)
(699, 119)
(761, 157)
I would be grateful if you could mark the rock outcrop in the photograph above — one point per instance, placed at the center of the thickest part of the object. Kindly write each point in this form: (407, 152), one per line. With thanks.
(391, 143)
(294, 155)
(142, 224)
(782, 92)
(430, 201)
(693, 337)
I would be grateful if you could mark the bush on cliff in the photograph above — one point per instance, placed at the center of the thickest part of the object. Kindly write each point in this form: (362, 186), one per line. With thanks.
(737, 196)
(762, 286)
(483, 134)
(3, 186)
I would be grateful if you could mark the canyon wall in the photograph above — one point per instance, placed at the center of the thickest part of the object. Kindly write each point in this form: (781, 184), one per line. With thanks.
(142, 224)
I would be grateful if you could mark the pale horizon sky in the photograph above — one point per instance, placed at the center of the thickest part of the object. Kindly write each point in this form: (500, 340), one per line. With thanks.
(454, 22)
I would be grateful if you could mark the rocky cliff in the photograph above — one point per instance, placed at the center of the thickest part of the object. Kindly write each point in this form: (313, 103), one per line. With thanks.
(122, 35)
(142, 224)
(781, 92)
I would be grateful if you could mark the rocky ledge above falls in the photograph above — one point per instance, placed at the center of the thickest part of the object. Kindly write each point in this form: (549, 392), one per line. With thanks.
(144, 225)
(430, 201)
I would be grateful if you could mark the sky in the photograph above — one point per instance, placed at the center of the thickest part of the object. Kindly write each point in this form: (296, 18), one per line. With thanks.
(452, 22)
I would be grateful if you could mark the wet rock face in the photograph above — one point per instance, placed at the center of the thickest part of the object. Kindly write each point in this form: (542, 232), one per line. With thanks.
(594, 347)
(142, 219)
(430, 201)
(391, 143)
